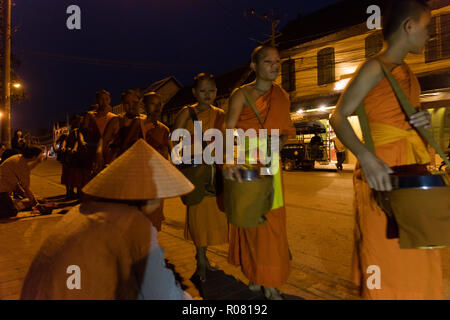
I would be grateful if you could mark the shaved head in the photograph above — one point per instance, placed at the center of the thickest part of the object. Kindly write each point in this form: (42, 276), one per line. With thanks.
(259, 52)
(399, 11)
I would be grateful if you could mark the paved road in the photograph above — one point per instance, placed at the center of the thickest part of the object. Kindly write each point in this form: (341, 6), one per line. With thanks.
(319, 224)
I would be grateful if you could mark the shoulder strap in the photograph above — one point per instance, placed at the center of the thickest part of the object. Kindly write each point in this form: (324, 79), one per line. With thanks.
(253, 105)
(220, 118)
(409, 110)
(365, 127)
(193, 113)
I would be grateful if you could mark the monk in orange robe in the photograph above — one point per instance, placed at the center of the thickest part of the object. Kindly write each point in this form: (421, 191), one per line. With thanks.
(93, 129)
(121, 132)
(157, 135)
(402, 274)
(205, 224)
(262, 252)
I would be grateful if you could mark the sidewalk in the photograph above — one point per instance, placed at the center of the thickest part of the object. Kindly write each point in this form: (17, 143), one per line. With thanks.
(21, 237)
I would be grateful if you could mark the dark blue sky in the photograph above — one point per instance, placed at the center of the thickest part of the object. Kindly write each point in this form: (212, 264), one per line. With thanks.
(129, 44)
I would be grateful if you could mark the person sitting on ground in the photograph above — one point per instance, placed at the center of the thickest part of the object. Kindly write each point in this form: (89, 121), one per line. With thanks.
(15, 173)
(109, 238)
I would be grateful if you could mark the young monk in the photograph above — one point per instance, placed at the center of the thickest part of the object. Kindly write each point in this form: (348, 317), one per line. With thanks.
(155, 132)
(157, 135)
(122, 131)
(262, 252)
(74, 147)
(205, 224)
(405, 274)
(93, 129)
(109, 239)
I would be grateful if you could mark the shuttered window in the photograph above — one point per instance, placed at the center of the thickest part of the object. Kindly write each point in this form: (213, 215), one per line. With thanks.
(288, 75)
(325, 66)
(374, 44)
(438, 46)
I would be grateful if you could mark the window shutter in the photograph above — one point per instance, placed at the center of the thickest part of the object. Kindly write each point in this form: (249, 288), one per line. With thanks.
(325, 66)
(288, 75)
(374, 44)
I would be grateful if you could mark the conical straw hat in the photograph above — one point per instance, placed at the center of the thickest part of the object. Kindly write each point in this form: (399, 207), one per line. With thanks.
(140, 173)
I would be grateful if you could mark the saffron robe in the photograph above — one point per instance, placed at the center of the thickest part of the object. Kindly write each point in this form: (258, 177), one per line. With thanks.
(92, 130)
(405, 274)
(157, 135)
(263, 252)
(205, 224)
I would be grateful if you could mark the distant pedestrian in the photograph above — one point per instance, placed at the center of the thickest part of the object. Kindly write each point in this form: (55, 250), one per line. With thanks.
(2, 150)
(340, 153)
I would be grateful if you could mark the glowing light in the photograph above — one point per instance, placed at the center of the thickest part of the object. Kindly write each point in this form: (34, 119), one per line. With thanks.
(300, 111)
(341, 84)
(1, 114)
(321, 109)
(17, 85)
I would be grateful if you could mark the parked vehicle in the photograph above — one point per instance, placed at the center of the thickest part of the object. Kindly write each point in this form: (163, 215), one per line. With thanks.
(311, 145)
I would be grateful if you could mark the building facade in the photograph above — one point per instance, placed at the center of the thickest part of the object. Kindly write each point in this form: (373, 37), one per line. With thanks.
(316, 72)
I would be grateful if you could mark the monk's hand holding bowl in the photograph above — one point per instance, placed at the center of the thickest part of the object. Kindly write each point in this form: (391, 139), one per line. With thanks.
(421, 119)
(376, 172)
(231, 172)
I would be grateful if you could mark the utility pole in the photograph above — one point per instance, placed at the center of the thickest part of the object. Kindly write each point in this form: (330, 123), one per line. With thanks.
(273, 21)
(6, 79)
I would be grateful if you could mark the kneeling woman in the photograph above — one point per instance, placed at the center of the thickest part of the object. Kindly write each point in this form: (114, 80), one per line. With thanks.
(205, 224)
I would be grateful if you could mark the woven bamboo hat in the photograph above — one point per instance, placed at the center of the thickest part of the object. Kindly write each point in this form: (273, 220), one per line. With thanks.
(140, 173)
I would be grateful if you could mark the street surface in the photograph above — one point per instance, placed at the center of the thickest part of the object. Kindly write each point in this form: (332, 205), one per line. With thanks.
(319, 224)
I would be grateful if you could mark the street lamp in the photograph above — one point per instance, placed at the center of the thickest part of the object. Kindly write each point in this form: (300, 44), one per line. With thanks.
(17, 85)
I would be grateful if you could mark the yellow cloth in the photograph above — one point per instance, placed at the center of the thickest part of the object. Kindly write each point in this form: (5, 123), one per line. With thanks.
(250, 158)
(417, 152)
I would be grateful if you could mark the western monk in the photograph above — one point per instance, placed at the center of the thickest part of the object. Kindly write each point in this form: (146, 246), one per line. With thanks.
(157, 135)
(405, 274)
(262, 252)
(205, 224)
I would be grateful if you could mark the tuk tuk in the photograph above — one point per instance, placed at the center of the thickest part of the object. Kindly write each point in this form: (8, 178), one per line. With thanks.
(312, 144)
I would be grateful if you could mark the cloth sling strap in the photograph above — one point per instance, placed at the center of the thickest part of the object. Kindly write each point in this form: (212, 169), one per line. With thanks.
(278, 200)
(407, 107)
(252, 104)
(194, 118)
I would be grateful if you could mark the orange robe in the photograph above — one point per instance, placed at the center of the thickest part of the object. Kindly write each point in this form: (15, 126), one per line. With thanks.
(92, 130)
(158, 137)
(205, 224)
(263, 252)
(405, 274)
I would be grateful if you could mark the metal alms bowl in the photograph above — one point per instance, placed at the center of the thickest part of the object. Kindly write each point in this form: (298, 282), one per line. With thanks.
(419, 182)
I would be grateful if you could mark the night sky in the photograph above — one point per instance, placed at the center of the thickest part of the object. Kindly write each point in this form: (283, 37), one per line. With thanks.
(128, 44)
